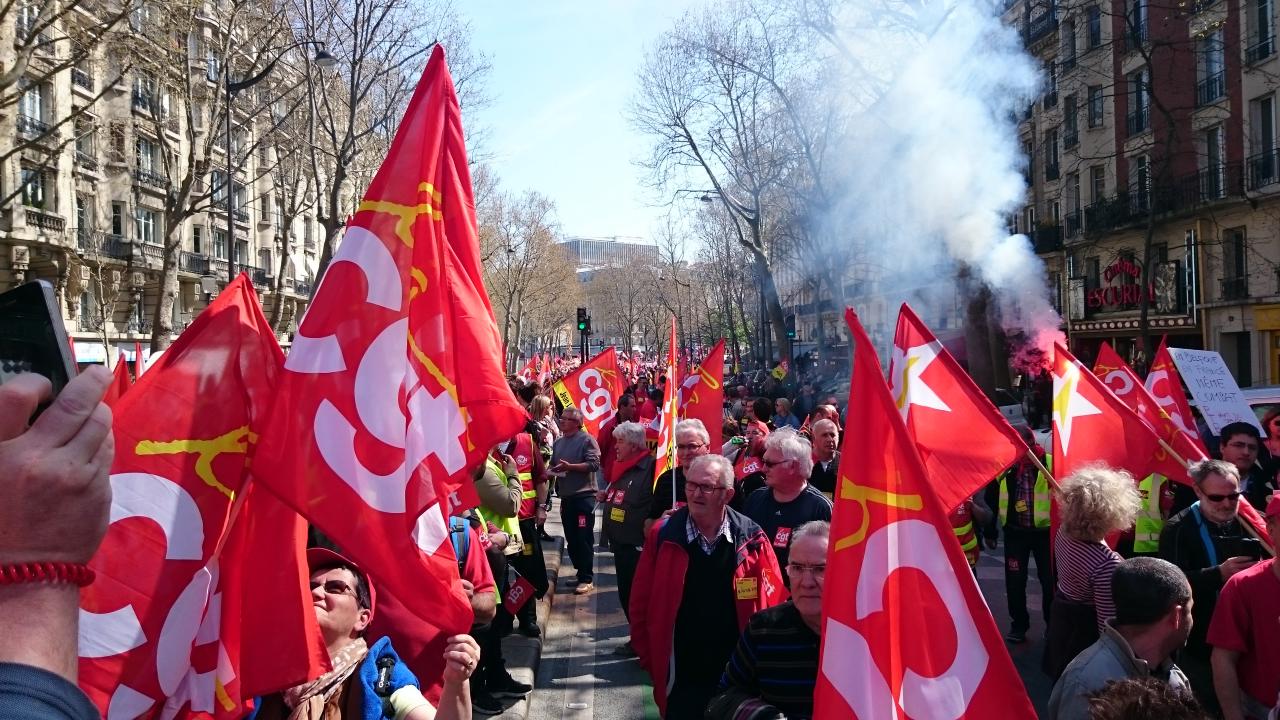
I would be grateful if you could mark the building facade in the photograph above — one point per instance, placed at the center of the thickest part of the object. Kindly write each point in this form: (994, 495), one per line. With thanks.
(86, 182)
(1154, 143)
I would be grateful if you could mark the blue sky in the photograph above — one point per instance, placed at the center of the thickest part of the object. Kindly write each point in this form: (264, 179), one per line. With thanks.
(563, 76)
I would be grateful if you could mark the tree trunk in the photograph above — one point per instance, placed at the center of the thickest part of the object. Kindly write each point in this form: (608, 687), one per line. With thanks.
(162, 318)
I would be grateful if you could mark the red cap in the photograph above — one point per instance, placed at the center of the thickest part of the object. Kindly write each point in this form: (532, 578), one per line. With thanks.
(764, 429)
(319, 557)
(1273, 505)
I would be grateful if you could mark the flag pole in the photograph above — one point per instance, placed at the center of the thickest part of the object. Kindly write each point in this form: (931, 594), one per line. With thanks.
(1266, 542)
(1053, 483)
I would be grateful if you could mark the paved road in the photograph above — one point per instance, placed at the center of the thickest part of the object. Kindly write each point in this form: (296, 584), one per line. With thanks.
(580, 677)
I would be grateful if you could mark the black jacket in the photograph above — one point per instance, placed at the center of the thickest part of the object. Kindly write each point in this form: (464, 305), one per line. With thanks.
(1182, 544)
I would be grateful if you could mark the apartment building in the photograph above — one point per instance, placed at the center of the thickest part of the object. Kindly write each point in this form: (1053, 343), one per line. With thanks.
(85, 204)
(1157, 120)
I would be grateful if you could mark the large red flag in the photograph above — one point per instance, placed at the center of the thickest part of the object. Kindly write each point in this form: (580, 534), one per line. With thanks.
(394, 389)
(202, 599)
(962, 438)
(1091, 425)
(1124, 383)
(119, 383)
(667, 416)
(702, 394)
(1165, 385)
(906, 633)
(593, 388)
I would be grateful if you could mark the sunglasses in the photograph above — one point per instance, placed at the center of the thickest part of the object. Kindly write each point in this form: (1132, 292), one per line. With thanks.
(334, 587)
(1219, 498)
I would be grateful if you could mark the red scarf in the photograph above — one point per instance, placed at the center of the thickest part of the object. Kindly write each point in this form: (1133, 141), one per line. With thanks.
(621, 466)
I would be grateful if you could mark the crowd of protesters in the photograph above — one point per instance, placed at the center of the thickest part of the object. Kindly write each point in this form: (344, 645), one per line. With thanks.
(1156, 599)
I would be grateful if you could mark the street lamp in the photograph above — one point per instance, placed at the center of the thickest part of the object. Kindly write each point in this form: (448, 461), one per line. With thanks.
(322, 60)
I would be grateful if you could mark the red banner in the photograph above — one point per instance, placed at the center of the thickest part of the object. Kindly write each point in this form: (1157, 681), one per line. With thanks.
(935, 396)
(1091, 425)
(702, 394)
(119, 383)
(667, 416)
(594, 388)
(906, 633)
(1165, 385)
(394, 389)
(202, 601)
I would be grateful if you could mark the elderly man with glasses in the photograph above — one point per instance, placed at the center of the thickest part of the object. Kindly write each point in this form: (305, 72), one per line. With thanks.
(1208, 542)
(702, 575)
(775, 666)
(788, 500)
(575, 458)
(692, 442)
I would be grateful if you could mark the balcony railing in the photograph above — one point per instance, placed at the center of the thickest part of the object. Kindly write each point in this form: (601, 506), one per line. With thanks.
(86, 161)
(1235, 288)
(1264, 169)
(1135, 36)
(193, 263)
(153, 179)
(1050, 99)
(1047, 238)
(1137, 121)
(1211, 88)
(241, 216)
(1041, 25)
(1051, 171)
(116, 246)
(1260, 50)
(302, 287)
(81, 78)
(151, 250)
(1071, 138)
(30, 126)
(45, 221)
(144, 102)
(1071, 223)
(1189, 192)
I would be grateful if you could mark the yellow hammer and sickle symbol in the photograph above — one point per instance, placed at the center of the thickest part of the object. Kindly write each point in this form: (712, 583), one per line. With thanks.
(862, 495)
(235, 441)
(706, 377)
(407, 214)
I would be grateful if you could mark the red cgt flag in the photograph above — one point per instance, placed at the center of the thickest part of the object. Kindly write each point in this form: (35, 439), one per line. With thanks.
(906, 633)
(530, 370)
(202, 601)
(119, 383)
(1091, 425)
(935, 398)
(1165, 385)
(1124, 383)
(702, 394)
(394, 389)
(667, 416)
(544, 369)
(593, 388)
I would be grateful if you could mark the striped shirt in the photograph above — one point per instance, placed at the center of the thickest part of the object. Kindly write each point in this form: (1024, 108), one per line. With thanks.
(775, 666)
(1084, 573)
(708, 545)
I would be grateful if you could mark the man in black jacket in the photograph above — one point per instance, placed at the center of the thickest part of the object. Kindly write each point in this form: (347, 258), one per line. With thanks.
(1204, 541)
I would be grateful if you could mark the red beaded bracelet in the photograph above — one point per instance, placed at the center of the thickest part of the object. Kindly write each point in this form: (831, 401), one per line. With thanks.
(51, 572)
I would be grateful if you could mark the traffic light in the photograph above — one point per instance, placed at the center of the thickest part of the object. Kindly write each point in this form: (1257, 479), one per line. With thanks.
(584, 324)
(791, 327)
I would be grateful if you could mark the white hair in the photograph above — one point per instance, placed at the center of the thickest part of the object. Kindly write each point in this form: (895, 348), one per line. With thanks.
(813, 528)
(629, 432)
(696, 426)
(793, 447)
(822, 424)
(719, 466)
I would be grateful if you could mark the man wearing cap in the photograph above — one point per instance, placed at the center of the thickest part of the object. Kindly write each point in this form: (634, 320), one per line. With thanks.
(345, 602)
(1245, 634)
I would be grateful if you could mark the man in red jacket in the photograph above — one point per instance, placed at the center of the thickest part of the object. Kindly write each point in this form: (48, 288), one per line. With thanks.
(701, 576)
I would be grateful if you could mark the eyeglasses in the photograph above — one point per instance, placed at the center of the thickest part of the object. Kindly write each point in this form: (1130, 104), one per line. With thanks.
(1219, 498)
(334, 587)
(797, 570)
(690, 447)
(691, 488)
(772, 463)
(1251, 447)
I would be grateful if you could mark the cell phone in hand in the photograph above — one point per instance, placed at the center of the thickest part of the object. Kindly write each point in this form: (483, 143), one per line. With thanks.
(1249, 547)
(32, 337)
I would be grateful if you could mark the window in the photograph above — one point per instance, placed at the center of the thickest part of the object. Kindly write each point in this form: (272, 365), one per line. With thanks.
(1070, 127)
(242, 251)
(1092, 272)
(1264, 168)
(1262, 31)
(197, 239)
(140, 18)
(213, 66)
(144, 93)
(218, 186)
(1097, 183)
(1051, 154)
(1139, 181)
(85, 136)
(1051, 89)
(146, 154)
(1073, 192)
(1067, 31)
(1212, 176)
(34, 189)
(31, 104)
(1095, 106)
(28, 18)
(1093, 18)
(86, 305)
(1235, 264)
(1211, 61)
(1138, 119)
(220, 244)
(82, 219)
(146, 225)
(264, 261)
(117, 219)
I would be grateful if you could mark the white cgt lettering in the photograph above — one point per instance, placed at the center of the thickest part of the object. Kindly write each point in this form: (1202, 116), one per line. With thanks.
(1119, 382)
(853, 671)
(1158, 384)
(598, 402)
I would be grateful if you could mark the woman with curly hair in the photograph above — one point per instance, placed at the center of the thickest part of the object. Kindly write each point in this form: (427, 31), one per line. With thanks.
(1092, 502)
